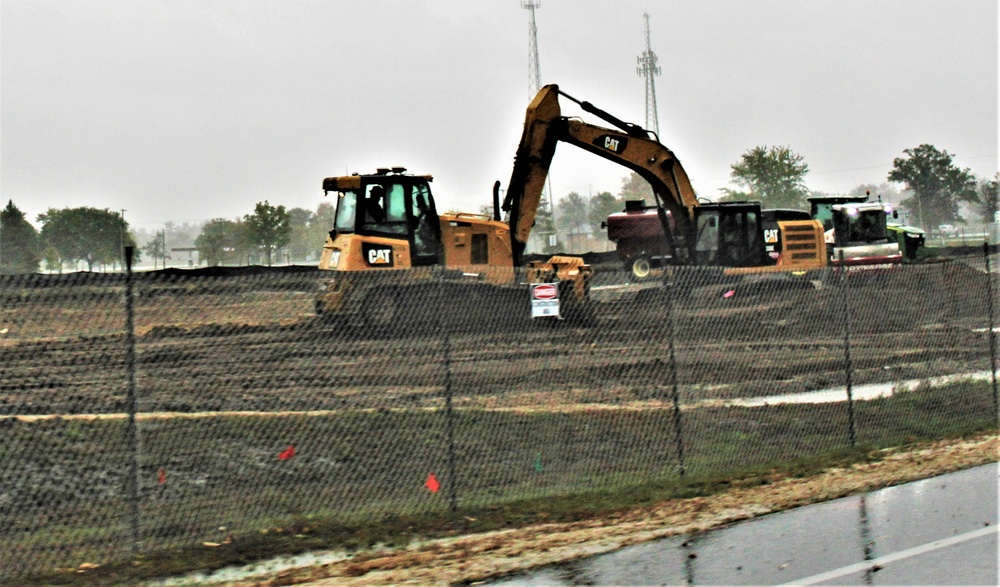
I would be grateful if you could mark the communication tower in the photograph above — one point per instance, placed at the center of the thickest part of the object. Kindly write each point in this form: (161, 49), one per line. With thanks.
(535, 84)
(648, 68)
(534, 75)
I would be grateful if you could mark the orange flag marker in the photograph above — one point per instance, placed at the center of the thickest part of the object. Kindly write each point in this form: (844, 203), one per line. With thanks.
(161, 476)
(287, 453)
(432, 483)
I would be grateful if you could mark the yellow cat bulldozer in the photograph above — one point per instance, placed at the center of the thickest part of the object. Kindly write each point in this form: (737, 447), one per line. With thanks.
(387, 229)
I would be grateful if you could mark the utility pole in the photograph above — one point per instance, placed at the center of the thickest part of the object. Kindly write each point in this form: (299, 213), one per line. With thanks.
(648, 68)
(121, 233)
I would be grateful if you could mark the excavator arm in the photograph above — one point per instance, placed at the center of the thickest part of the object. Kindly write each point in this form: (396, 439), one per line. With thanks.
(629, 146)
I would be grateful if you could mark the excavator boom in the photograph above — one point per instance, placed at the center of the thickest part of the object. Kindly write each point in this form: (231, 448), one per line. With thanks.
(531, 167)
(631, 147)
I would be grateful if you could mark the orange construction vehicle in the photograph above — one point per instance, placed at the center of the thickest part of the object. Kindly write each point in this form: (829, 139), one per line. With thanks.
(387, 225)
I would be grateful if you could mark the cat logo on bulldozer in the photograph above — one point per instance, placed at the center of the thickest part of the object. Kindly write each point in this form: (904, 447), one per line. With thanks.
(377, 255)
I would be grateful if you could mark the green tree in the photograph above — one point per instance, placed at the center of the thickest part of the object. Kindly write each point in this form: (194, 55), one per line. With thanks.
(156, 248)
(601, 206)
(320, 226)
(180, 236)
(300, 243)
(634, 187)
(268, 228)
(51, 257)
(221, 242)
(19, 247)
(989, 198)
(545, 229)
(774, 176)
(572, 213)
(937, 185)
(86, 234)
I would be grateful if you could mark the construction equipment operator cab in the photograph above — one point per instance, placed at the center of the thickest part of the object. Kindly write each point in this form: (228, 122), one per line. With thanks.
(857, 224)
(388, 205)
(730, 235)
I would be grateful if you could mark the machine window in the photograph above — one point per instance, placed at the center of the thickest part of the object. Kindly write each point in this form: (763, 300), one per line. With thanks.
(347, 204)
(707, 246)
(384, 211)
(424, 233)
(395, 209)
(867, 226)
(740, 231)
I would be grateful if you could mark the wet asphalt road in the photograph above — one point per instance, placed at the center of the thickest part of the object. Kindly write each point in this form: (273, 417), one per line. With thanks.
(940, 531)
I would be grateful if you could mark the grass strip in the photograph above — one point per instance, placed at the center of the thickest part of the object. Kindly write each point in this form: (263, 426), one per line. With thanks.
(357, 478)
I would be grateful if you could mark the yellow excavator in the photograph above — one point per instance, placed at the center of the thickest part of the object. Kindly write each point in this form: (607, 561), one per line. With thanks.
(687, 232)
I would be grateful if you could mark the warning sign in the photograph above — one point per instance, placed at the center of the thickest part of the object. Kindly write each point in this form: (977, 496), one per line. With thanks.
(544, 300)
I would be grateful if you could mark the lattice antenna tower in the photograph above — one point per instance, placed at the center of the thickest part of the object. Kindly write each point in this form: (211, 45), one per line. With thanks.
(534, 74)
(648, 68)
(535, 78)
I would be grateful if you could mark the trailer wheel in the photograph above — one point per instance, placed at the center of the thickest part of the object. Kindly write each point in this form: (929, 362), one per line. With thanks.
(641, 267)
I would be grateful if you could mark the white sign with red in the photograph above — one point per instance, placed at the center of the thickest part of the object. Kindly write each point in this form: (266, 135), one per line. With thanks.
(544, 300)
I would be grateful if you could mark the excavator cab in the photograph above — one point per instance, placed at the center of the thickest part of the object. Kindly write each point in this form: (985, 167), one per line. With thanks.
(730, 235)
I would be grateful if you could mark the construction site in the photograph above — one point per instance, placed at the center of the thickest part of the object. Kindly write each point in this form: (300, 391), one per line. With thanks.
(435, 377)
(431, 372)
(222, 411)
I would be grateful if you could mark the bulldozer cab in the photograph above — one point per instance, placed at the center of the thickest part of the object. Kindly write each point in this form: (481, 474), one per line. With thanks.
(389, 205)
(730, 235)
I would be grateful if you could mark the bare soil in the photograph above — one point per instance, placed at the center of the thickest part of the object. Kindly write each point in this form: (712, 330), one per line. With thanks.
(234, 345)
(254, 346)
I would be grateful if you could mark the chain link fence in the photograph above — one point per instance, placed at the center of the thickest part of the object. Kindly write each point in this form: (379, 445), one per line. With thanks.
(171, 409)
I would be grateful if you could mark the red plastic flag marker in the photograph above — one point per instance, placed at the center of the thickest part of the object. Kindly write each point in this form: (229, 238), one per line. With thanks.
(161, 476)
(287, 453)
(432, 483)
(729, 293)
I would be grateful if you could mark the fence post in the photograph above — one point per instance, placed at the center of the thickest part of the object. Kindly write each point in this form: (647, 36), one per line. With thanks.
(992, 335)
(672, 370)
(132, 404)
(448, 412)
(847, 348)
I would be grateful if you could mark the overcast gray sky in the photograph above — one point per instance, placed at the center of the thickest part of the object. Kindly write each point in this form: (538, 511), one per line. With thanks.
(186, 110)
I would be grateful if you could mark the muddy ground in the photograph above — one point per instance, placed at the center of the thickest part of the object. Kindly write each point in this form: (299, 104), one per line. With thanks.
(232, 344)
(596, 399)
